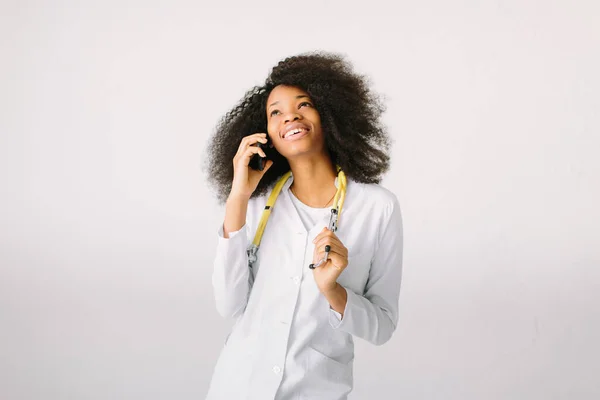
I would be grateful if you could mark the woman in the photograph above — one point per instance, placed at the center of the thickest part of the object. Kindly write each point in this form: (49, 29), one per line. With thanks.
(303, 287)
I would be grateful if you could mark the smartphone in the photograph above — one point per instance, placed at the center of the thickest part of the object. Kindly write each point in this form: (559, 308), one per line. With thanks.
(257, 162)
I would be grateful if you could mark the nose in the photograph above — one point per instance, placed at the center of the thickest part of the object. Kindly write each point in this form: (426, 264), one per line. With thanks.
(291, 116)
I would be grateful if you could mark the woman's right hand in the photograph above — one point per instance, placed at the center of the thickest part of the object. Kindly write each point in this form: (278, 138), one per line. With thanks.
(245, 179)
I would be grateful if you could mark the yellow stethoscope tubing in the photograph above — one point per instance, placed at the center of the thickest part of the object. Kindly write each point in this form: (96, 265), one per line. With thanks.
(336, 210)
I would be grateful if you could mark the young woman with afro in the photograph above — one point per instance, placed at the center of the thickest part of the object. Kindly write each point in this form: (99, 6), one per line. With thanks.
(309, 255)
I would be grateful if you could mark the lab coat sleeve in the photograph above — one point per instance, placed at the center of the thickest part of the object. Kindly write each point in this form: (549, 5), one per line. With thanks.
(231, 278)
(373, 315)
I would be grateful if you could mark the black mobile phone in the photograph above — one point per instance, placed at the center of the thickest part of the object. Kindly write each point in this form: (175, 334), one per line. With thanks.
(257, 162)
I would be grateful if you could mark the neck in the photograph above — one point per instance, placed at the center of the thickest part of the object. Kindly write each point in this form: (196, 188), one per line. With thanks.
(314, 180)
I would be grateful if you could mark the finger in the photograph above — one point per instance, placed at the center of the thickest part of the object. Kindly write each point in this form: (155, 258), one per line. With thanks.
(250, 151)
(337, 261)
(324, 233)
(327, 239)
(334, 266)
(332, 241)
(335, 247)
(251, 140)
(255, 138)
(320, 255)
(244, 148)
(335, 244)
(260, 151)
(320, 245)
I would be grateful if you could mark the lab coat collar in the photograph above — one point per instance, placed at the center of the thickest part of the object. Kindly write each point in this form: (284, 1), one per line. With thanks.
(290, 180)
(295, 220)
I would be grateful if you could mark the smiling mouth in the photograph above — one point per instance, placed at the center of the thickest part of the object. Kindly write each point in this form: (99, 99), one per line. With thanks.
(293, 132)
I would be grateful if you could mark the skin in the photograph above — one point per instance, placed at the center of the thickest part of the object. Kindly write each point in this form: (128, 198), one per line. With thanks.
(314, 176)
(309, 161)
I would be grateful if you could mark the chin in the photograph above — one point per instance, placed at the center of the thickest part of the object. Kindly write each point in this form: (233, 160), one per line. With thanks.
(307, 146)
(300, 153)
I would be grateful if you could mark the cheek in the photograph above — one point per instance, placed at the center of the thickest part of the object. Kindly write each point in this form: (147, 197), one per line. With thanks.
(271, 127)
(315, 117)
(272, 136)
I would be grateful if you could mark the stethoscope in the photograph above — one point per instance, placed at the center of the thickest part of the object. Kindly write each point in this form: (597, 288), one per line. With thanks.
(336, 211)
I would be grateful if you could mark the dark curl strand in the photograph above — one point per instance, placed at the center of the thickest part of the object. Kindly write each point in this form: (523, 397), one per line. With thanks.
(350, 118)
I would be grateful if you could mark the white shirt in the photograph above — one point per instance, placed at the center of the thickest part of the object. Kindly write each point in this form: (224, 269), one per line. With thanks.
(308, 215)
(287, 343)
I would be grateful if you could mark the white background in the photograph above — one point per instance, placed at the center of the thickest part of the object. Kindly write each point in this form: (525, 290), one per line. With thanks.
(107, 229)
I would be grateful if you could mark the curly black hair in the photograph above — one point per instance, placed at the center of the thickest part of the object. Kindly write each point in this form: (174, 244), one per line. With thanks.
(350, 113)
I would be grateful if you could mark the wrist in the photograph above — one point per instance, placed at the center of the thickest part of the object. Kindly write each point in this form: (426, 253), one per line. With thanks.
(337, 298)
(237, 198)
(331, 290)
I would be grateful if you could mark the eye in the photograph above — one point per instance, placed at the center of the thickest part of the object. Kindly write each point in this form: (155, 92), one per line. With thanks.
(273, 112)
(304, 103)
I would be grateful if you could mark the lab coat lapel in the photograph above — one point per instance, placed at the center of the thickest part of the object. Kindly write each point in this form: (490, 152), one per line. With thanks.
(289, 214)
(293, 228)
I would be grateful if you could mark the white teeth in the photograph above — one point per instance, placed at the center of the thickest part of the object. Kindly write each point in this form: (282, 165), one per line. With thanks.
(293, 132)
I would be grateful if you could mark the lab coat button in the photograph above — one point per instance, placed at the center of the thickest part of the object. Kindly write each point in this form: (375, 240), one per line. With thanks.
(276, 369)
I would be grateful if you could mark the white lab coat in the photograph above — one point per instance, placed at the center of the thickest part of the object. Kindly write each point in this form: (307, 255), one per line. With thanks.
(286, 342)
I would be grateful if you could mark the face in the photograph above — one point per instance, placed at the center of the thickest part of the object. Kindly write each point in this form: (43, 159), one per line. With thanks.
(293, 123)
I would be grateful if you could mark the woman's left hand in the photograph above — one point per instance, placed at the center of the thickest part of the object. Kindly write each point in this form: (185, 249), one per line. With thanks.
(327, 273)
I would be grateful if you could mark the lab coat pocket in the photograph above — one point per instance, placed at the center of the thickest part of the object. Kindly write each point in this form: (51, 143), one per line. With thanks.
(326, 378)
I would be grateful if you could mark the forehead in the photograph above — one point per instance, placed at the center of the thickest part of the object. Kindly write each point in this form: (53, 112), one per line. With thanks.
(285, 93)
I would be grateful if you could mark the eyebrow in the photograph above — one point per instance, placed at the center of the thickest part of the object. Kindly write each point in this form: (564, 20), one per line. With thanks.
(297, 97)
